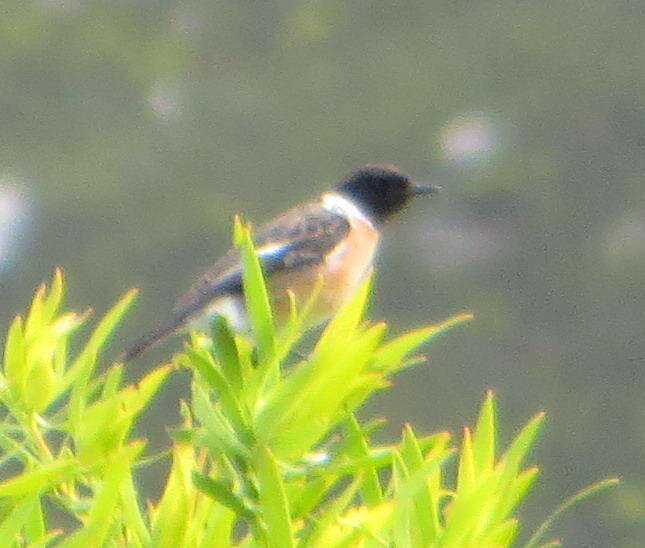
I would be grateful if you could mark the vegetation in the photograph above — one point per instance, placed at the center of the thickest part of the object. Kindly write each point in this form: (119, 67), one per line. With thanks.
(270, 452)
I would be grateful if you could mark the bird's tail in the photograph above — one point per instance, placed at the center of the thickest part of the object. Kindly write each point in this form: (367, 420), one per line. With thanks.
(149, 340)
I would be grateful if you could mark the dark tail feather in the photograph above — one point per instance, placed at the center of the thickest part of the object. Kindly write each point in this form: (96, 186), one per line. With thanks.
(148, 340)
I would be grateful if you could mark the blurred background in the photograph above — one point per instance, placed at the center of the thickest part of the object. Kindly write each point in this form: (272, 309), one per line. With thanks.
(132, 131)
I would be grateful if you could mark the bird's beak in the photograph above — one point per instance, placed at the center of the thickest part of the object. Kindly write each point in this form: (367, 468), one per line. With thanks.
(418, 189)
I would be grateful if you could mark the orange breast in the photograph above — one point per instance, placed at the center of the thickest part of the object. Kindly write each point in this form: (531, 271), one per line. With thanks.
(340, 275)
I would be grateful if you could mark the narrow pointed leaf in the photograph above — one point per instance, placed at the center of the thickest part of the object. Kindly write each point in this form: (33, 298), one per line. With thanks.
(222, 492)
(106, 422)
(112, 380)
(40, 478)
(371, 491)
(218, 382)
(15, 363)
(513, 457)
(54, 300)
(484, 436)
(503, 534)
(256, 296)
(466, 472)
(568, 503)
(273, 501)
(516, 492)
(421, 518)
(175, 510)
(311, 496)
(35, 525)
(324, 524)
(102, 514)
(35, 317)
(82, 369)
(219, 435)
(132, 516)
(17, 519)
(225, 350)
(391, 355)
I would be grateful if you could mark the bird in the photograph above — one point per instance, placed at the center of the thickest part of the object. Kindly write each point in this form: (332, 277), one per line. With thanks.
(329, 243)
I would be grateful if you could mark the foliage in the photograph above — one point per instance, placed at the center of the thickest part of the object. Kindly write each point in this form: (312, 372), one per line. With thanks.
(270, 452)
(150, 121)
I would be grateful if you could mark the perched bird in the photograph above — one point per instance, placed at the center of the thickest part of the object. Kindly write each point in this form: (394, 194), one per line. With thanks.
(331, 241)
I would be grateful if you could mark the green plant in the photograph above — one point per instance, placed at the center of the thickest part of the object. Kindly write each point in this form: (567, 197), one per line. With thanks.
(270, 452)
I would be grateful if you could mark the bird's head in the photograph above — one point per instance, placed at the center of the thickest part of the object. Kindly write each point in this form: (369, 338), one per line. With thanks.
(381, 190)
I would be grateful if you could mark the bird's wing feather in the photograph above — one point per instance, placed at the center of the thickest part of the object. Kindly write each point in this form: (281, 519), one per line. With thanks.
(303, 235)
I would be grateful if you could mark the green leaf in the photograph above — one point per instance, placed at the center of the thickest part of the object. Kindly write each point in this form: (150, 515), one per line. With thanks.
(322, 527)
(16, 449)
(35, 525)
(225, 350)
(257, 298)
(40, 386)
(403, 527)
(432, 451)
(484, 437)
(176, 508)
(310, 495)
(54, 300)
(568, 503)
(416, 480)
(15, 363)
(19, 518)
(35, 317)
(219, 434)
(40, 478)
(338, 332)
(219, 523)
(468, 510)
(106, 422)
(294, 420)
(273, 502)
(410, 484)
(513, 457)
(46, 540)
(297, 413)
(40, 377)
(516, 492)
(423, 519)
(378, 457)
(132, 516)
(391, 355)
(466, 472)
(298, 321)
(102, 514)
(221, 491)
(502, 535)
(112, 381)
(81, 370)
(218, 382)
(358, 447)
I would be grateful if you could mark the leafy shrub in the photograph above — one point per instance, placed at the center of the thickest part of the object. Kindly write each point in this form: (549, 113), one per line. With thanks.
(270, 452)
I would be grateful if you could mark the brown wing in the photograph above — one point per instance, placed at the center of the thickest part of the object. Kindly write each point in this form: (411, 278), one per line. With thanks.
(303, 235)
(311, 227)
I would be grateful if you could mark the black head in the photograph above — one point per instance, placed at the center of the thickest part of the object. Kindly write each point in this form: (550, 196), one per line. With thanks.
(381, 190)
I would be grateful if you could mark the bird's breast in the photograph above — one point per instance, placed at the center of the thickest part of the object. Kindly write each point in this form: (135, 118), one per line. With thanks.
(339, 275)
(336, 278)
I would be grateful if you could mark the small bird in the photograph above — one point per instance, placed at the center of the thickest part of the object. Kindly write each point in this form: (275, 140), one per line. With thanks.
(330, 241)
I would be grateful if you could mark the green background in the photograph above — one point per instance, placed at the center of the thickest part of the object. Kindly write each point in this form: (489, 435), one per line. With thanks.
(132, 131)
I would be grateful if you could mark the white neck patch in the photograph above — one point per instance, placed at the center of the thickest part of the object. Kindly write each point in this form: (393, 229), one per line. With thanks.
(337, 203)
